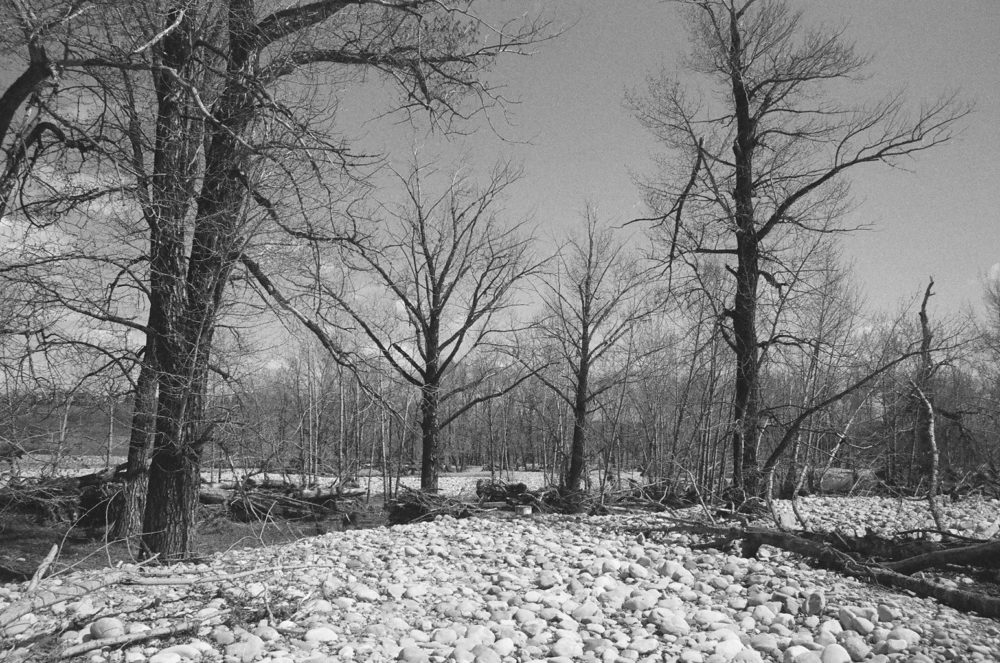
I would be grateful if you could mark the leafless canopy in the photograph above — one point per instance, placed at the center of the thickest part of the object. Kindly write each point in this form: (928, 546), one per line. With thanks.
(758, 164)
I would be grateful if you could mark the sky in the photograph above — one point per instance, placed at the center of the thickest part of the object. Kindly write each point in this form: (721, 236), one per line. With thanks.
(579, 145)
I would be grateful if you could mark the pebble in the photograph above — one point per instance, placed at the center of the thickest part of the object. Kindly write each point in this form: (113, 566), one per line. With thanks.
(815, 603)
(321, 634)
(856, 647)
(835, 654)
(644, 645)
(166, 657)
(909, 636)
(669, 622)
(413, 654)
(185, 652)
(107, 627)
(540, 589)
(246, 649)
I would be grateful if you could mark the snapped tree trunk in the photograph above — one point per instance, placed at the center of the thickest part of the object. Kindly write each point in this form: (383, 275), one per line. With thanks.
(925, 451)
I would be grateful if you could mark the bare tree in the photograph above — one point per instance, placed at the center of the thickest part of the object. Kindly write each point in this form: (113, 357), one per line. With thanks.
(449, 268)
(213, 122)
(595, 296)
(767, 166)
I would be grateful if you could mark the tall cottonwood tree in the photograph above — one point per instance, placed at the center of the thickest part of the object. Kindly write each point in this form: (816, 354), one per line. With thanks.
(214, 117)
(761, 160)
(449, 268)
(593, 298)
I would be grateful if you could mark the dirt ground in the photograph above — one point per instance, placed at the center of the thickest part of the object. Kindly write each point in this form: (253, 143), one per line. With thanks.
(24, 541)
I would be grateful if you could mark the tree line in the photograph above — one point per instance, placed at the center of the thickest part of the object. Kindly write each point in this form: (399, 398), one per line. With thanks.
(186, 228)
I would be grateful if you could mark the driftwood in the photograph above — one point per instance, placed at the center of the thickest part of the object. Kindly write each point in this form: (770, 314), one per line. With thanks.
(962, 600)
(260, 505)
(80, 499)
(267, 499)
(883, 574)
(49, 500)
(986, 555)
(49, 596)
(414, 506)
(55, 594)
(42, 568)
(132, 638)
(214, 494)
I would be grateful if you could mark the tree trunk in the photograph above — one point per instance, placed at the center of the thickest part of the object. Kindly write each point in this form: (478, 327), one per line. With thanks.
(746, 404)
(39, 70)
(128, 519)
(746, 401)
(986, 555)
(174, 480)
(430, 396)
(577, 454)
(192, 300)
(924, 452)
(927, 449)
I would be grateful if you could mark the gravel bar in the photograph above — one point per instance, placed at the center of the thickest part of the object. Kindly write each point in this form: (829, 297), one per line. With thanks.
(512, 589)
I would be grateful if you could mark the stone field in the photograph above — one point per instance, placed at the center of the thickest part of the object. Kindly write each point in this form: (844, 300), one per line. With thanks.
(505, 589)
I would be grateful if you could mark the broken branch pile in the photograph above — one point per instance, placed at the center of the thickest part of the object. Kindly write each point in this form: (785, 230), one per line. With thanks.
(852, 557)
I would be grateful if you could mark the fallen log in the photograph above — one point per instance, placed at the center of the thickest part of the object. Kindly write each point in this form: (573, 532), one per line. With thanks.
(985, 555)
(214, 494)
(830, 557)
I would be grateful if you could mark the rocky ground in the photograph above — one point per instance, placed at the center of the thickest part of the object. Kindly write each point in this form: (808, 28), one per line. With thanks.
(489, 590)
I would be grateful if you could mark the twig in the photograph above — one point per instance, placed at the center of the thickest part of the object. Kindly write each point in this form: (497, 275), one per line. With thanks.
(131, 638)
(795, 502)
(60, 593)
(48, 597)
(942, 533)
(176, 580)
(42, 568)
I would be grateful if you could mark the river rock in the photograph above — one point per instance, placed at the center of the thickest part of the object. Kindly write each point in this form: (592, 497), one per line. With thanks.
(107, 627)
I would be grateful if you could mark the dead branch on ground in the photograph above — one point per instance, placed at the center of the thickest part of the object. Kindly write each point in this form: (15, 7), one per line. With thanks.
(132, 638)
(889, 574)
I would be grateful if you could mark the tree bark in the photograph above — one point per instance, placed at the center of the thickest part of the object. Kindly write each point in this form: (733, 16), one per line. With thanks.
(577, 455)
(746, 403)
(190, 316)
(885, 574)
(38, 71)
(128, 519)
(172, 497)
(430, 396)
(986, 555)
(168, 513)
(925, 451)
